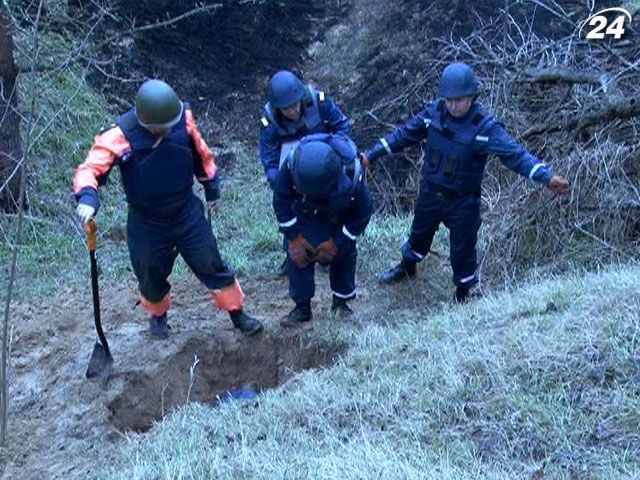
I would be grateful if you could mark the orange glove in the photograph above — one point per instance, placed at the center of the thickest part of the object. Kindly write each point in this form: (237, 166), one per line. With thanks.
(327, 251)
(301, 252)
(558, 185)
(364, 160)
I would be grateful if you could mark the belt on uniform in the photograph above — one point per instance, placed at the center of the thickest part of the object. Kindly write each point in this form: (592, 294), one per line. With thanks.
(449, 194)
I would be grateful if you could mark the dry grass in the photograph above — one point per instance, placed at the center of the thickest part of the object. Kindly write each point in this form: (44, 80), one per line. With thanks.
(542, 380)
(389, 69)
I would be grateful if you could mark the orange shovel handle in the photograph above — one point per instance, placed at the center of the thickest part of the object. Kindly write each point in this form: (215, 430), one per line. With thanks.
(91, 228)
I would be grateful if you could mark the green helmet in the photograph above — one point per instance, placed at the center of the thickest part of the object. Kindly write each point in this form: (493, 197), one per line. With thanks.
(157, 105)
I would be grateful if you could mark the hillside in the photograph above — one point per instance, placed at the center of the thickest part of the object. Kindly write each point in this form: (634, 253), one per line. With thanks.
(536, 383)
(537, 377)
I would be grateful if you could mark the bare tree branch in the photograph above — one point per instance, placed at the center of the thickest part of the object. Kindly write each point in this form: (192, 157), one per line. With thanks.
(161, 24)
(564, 74)
(4, 388)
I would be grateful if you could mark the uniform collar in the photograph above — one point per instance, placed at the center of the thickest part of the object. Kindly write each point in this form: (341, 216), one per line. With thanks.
(448, 118)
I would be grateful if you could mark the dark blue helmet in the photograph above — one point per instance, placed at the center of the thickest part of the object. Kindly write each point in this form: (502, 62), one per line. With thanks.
(315, 169)
(285, 89)
(341, 144)
(458, 80)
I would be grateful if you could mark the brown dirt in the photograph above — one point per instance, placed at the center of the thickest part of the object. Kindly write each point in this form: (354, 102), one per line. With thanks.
(255, 363)
(64, 426)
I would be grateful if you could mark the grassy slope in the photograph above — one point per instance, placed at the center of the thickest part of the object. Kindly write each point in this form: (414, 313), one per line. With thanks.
(492, 390)
(68, 114)
(497, 389)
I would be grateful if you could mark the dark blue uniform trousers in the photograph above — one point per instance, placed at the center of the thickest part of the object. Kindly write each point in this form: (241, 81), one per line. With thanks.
(342, 271)
(154, 245)
(461, 215)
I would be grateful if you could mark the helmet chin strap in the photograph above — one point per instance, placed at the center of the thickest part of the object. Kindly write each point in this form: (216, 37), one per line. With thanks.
(159, 140)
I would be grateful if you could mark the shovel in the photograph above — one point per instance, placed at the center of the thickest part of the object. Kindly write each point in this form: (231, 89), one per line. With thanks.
(101, 359)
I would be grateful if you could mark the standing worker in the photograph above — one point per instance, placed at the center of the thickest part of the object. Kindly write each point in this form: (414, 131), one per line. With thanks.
(158, 148)
(460, 135)
(294, 110)
(322, 204)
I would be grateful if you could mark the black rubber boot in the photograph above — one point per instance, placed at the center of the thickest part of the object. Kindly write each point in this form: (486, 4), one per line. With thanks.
(340, 308)
(283, 269)
(158, 327)
(401, 271)
(461, 294)
(300, 314)
(245, 323)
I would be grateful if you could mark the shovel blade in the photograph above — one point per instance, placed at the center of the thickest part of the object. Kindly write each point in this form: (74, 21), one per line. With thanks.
(100, 363)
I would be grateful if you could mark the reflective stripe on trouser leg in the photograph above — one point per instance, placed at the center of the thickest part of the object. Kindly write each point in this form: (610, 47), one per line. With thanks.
(230, 298)
(342, 273)
(426, 220)
(463, 221)
(409, 255)
(156, 308)
(470, 280)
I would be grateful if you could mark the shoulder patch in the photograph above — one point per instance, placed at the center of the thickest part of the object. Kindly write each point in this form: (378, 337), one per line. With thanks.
(107, 128)
(321, 96)
(264, 122)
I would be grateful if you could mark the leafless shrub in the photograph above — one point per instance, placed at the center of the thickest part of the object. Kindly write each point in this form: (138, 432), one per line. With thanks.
(570, 101)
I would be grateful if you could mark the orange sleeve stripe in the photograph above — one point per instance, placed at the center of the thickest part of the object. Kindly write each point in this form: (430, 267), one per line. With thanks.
(107, 147)
(208, 161)
(156, 308)
(229, 298)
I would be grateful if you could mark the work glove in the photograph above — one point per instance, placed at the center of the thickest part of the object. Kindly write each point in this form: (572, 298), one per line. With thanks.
(558, 185)
(85, 212)
(327, 251)
(364, 160)
(301, 252)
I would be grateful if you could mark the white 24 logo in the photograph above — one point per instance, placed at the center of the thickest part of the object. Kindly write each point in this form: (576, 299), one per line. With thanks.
(600, 21)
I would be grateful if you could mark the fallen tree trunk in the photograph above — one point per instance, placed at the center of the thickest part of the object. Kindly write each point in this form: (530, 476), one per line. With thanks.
(623, 110)
(565, 75)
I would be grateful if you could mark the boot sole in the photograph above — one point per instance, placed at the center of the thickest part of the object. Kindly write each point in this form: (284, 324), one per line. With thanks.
(391, 281)
(157, 336)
